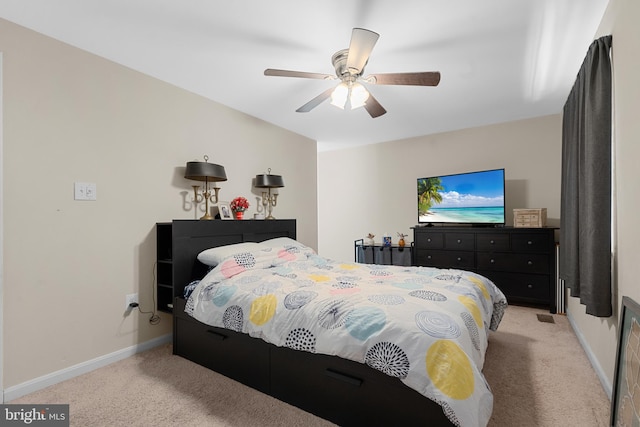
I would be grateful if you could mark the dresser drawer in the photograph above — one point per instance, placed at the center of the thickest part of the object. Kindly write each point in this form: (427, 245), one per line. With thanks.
(446, 259)
(429, 240)
(529, 288)
(492, 242)
(530, 242)
(460, 241)
(522, 263)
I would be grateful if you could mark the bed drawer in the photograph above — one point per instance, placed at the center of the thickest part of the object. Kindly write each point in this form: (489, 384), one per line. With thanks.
(332, 387)
(227, 352)
(448, 259)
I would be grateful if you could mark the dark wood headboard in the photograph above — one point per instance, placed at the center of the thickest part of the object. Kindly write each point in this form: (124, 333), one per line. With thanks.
(190, 237)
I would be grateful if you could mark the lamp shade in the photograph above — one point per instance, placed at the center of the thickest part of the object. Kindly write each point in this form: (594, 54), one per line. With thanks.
(339, 95)
(269, 181)
(204, 171)
(358, 96)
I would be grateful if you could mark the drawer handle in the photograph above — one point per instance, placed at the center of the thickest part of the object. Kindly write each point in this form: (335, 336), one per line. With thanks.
(530, 286)
(529, 262)
(492, 242)
(529, 242)
(429, 239)
(459, 259)
(493, 261)
(343, 377)
(459, 240)
(217, 335)
(428, 256)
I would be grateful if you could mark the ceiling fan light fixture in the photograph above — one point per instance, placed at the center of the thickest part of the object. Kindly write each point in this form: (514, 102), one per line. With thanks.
(349, 66)
(339, 95)
(358, 96)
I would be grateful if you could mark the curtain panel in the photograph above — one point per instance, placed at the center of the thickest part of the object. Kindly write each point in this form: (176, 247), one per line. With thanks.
(585, 208)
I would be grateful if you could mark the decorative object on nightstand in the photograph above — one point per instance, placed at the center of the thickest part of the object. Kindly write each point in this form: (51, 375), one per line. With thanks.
(207, 172)
(269, 181)
(386, 240)
(369, 239)
(224, 209)
(259, 209)
(238, 206)
(401, 237)
(530, 218)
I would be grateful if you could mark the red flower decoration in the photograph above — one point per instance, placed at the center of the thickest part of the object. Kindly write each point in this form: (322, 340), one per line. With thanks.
(239, 204)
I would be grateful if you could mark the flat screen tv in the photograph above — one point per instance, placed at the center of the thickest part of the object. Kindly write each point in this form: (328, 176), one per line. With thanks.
(473, 198)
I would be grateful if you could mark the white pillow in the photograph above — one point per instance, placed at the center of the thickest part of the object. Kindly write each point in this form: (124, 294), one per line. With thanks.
(214, 256)
(279, 242)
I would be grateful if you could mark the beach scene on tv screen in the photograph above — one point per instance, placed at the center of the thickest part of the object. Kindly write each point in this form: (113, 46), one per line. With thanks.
(476, 198)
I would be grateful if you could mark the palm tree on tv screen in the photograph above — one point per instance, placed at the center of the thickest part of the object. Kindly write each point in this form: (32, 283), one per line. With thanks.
(428, 193)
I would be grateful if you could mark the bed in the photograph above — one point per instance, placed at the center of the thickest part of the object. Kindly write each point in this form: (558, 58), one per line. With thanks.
(331, 337)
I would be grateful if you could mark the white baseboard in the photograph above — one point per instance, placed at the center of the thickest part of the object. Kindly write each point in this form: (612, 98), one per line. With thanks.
(36, 384)
(594, 362)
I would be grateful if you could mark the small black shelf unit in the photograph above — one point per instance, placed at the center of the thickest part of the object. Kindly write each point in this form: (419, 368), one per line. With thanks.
(382, 254)
(164, 266)
(180, 240)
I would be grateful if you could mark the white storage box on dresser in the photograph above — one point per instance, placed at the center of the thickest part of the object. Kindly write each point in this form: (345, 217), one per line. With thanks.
(528, 218)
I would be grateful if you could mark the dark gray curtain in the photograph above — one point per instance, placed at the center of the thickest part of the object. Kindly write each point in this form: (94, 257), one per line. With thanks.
(585, 224)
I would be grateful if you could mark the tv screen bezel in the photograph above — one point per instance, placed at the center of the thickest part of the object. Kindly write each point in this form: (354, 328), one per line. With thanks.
(465, 223)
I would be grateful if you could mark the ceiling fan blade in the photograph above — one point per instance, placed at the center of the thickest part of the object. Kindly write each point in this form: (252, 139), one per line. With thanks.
(360, 47)
(373, 107)
(315, 101)
(427, 78)
(302, 74)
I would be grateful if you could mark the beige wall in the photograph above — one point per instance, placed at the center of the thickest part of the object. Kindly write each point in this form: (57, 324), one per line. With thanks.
(600, 335)
(71, 116)
(373, 188)
(377, 181)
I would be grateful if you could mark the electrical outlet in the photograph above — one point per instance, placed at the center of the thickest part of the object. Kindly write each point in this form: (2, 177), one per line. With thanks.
(129, 299)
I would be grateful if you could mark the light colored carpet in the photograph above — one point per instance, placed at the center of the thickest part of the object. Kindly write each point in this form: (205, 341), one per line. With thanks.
(539, 374)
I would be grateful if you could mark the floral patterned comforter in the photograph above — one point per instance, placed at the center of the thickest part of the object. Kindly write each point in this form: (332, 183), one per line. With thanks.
(428, 327)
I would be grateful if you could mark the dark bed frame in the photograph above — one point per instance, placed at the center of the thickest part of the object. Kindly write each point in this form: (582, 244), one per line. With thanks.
(341, 391)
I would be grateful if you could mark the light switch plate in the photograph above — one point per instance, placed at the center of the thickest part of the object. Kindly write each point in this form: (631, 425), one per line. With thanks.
(85, 191)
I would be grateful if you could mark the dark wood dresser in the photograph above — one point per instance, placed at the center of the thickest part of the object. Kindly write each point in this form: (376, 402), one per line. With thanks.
(520, 261)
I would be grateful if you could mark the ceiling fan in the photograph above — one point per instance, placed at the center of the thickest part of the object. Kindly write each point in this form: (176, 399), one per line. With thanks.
(349, 65)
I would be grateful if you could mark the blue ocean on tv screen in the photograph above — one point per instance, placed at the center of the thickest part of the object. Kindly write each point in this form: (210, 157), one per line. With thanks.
(490, 214)
(466, 198)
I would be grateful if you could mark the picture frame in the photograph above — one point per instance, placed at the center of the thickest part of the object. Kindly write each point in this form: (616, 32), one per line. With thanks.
(627, 365)
(224, 209)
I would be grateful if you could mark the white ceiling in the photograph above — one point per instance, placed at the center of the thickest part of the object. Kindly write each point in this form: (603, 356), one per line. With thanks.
(500, 60)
